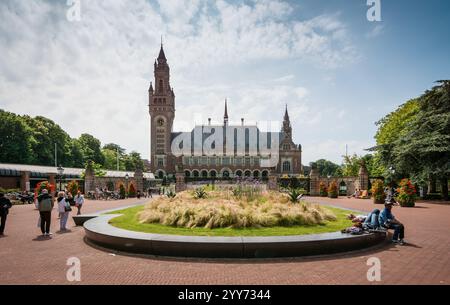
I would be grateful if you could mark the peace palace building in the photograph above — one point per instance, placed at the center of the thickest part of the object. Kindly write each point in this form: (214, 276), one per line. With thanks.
(195, 163)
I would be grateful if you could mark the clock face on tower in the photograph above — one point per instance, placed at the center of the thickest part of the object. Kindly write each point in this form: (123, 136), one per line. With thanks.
(160, 122)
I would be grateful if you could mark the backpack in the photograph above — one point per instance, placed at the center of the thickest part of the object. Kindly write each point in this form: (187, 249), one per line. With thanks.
(45, 205)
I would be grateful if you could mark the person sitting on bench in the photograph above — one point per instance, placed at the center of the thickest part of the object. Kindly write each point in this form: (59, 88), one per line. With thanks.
(388, 221)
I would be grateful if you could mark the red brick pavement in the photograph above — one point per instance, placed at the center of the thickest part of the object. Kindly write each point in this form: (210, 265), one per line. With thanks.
(24, 259)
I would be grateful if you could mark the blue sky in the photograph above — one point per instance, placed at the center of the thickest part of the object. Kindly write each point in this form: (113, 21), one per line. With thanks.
(338, 72)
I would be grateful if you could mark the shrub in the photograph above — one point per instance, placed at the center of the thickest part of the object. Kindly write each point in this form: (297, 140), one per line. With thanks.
(406, 193)
(131, 191)
(378, 191)
(122, 191)
(171, 194)
(333, 190)
(323, 192)
(73, 187)
(217, 211)
(433, 196)
(200, 193)
(294, 194)
(110, 186)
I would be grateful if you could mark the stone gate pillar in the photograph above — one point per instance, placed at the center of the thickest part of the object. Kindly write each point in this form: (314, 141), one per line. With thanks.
(363, 177)
(139, 180)
(89, 178)
(25, 181)
(314, 181)
(180, 184)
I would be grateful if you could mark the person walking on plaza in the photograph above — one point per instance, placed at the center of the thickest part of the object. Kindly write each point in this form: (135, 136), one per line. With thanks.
(45, 206)
(388, 221)
(79, 201)
(64, 210)
(5, 205)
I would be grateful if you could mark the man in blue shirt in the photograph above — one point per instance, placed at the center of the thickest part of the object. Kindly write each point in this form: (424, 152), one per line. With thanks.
(388, 221)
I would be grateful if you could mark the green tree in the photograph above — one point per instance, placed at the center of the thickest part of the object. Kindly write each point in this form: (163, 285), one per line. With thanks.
(391, 128)
(115, 147)
(423, 151)
(91, 149)
(351, 165)
(133, 161)
(326, 168)
(45, 134)
(15, 139)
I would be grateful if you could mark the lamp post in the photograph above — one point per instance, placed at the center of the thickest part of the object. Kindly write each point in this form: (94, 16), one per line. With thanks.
(60, 170)
(126, 185)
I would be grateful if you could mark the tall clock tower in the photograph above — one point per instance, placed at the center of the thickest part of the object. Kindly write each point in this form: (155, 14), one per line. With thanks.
(162, 114)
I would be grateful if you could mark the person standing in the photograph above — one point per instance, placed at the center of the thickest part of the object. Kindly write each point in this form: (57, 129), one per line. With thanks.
(64, 210)
(79, 201)
(45, 206)
(5, 205)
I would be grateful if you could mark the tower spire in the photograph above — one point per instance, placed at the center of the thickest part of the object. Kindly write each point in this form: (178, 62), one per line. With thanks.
(225, 116)
(286, 114)
(161, 55)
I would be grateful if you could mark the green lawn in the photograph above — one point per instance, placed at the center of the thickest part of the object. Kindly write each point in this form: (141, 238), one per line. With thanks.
(128, 221)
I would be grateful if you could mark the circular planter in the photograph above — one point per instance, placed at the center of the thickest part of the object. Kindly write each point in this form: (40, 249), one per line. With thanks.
(100, 232)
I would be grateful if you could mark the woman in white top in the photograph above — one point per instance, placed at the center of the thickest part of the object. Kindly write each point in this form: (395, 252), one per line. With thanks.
(79, 201)
(64, 210)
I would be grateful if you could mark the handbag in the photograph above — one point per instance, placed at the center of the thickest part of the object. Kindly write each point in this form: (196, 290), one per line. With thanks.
(68, 208)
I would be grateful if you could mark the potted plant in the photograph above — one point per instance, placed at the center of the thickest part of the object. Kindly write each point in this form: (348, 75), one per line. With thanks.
(323, 192)
(333, 190)
(43, 185)
(406, 193)
(131, 191)
(378, 192)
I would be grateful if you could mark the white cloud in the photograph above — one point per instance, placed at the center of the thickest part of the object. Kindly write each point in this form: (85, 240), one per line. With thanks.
(92, 76)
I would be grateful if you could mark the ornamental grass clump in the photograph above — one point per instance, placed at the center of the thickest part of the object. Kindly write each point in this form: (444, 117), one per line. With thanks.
(216, 211)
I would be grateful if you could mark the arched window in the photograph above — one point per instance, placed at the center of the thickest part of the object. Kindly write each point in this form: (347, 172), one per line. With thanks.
(286, 166)
(213, 173)
(226, 174)
(255, 174)
(204, 174)
(195, 173)
(239, 173)
(342, 188)
(187, 173)
(247, 173)
(161, 85)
